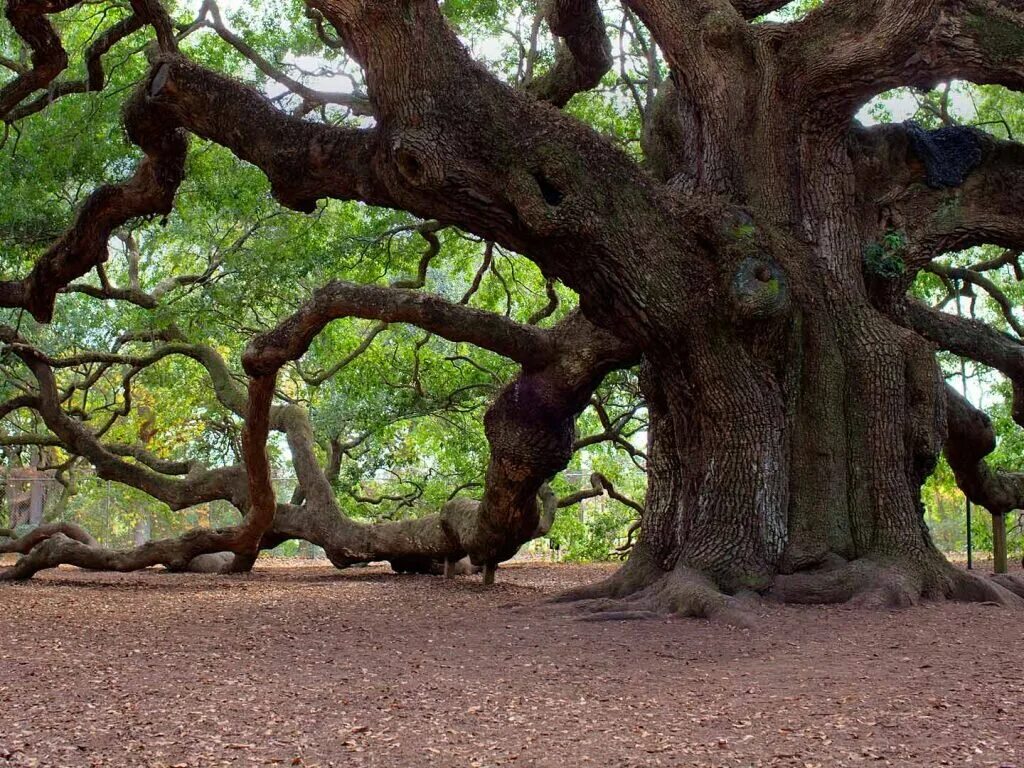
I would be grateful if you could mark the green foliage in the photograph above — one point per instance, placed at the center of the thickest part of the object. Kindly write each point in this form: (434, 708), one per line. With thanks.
(411, 405)
(885, 259)
(286, 549)
(744, 232)
(794, 10)
(593, 538)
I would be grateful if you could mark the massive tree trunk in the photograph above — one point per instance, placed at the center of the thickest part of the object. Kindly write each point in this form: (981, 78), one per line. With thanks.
(794, 424)
(803, 479)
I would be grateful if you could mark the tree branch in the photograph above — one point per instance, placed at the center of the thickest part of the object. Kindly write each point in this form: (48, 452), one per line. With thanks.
(197, 487)
(149, 192)
(973, 278)
(289, 341)
(529, 426)
(972, 438)
(751, 9)
(40, 533)
(975, 341)
(316, 379)
(847, 51)
(95, 79)
(599, 485)
(356, 102)
(303, 161)
(457, 145)
(946, 190)
(49, 59)
(582, 58)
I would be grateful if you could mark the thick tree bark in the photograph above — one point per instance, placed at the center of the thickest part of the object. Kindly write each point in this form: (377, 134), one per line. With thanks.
(789, 446)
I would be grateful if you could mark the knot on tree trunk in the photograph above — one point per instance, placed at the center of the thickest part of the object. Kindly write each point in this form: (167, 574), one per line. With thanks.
(418, 156)
(759, 290)
(548, 199)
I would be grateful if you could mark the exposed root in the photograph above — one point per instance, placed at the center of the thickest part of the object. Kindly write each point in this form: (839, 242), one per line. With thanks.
(1013, 583)
(679, 592)
(866, 582)
(637, 573)
(869, 583)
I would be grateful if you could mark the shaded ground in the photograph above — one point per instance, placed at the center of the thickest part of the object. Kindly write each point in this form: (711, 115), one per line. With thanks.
(310, 666)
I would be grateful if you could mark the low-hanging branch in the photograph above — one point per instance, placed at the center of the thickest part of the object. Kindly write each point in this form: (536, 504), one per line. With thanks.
(975, 341)
(243, 540)
(407, 543)
(198, 486)
(24, 544)
(527, 446)
(971, 439)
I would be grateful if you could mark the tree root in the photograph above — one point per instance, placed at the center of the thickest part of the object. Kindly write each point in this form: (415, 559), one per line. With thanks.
(637, 573)
(639, 593)
(1013, 583)
(869, 583)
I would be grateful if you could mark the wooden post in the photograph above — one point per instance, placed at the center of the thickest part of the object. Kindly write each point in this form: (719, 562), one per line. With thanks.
(999, 542)
(36, 499)
(489, 569)
(970, 540)
(140, 535)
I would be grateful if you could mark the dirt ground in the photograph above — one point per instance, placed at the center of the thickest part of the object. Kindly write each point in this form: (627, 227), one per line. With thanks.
(311, 666)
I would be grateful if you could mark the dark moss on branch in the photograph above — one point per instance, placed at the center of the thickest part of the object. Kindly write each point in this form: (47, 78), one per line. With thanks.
(949, 154)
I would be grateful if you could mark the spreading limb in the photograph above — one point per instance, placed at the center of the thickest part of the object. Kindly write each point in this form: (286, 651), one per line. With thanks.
(529, 428)
(971, 439)
(973, 340)
(847, 51)
(584, 56)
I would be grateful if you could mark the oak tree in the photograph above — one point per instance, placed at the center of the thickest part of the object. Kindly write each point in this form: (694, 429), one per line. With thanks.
(754, 257)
